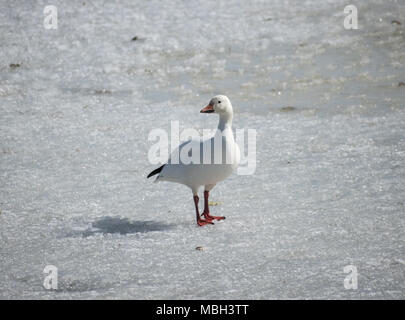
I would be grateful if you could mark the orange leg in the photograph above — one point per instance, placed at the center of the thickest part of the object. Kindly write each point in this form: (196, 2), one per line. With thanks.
(206, 212)
(200, 222)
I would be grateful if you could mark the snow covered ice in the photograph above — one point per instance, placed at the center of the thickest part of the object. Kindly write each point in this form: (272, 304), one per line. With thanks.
(77, 104)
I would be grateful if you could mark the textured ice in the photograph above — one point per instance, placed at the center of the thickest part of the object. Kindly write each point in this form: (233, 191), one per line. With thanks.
(328, 107)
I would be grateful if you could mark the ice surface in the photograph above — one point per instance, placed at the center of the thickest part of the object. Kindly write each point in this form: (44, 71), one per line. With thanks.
(328, 107)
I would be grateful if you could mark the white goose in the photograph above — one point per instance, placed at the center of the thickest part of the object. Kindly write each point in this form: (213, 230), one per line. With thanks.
(218, 158)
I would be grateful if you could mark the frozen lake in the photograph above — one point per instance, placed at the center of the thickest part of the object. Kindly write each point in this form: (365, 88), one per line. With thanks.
(77, 104)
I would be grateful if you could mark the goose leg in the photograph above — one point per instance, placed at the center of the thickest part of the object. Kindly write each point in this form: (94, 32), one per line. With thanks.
(206, 212)
(200, 222)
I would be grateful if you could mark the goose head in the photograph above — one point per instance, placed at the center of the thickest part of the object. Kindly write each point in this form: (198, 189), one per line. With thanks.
(219, 104)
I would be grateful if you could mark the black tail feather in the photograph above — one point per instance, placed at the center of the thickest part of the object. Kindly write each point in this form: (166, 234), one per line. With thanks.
(156, 171)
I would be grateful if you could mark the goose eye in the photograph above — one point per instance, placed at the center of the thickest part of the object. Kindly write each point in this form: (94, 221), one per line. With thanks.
(219, 101)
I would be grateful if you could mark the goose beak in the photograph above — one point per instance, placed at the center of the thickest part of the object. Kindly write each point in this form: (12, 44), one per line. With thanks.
(207, 109)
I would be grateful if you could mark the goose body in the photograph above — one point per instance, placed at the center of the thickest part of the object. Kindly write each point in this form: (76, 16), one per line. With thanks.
(195, 175)
(198, 163)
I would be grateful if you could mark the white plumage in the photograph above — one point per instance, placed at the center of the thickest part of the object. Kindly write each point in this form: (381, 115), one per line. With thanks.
(212, 160)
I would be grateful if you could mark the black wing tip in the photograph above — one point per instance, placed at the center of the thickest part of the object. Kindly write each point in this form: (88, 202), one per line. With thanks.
(156, 171)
